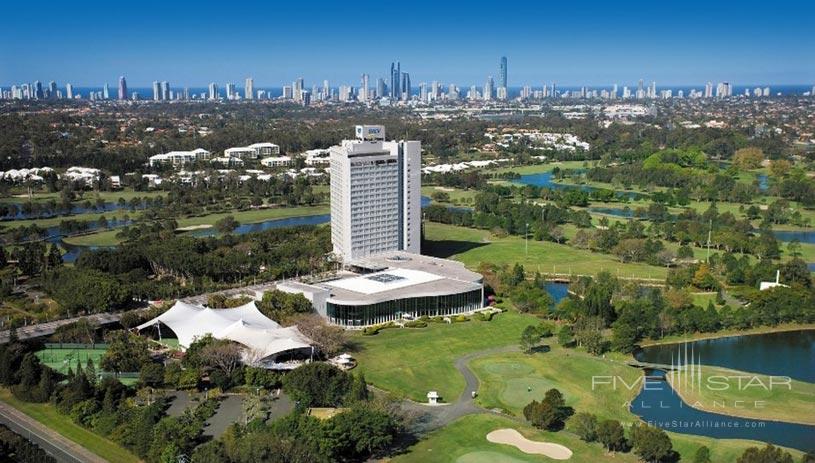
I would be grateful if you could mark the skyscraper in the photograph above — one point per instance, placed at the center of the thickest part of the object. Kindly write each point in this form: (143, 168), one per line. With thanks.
(380, 87)
(122, 88)
(105, 92)
(297, 85)
(364, 89)
(488, 89)
(38, 93)
(213, 91)
(249, 88)
(396, 78)
(375, 195)
(502, 72)
(52, 90)
(69, 91)
(156, 91)
(405, 86)
(326, 90)
(165, 91)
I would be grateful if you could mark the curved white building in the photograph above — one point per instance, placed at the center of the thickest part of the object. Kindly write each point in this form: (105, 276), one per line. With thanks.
(391, 286)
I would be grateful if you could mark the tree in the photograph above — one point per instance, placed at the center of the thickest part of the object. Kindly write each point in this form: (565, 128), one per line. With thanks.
(125, 352)
(210, 452)
(779, 168)
(548, 413)
(650, 443)
(529, 298)
(768, 454)
(610, 433)
(359, 389)
(224, 356)
(317, 385)
(281, 306)
(702, 455)
(585, 426)
(748, 158)
(529, 339)
(152, 374)
(565, 335)
(328, 338)
(361, 432)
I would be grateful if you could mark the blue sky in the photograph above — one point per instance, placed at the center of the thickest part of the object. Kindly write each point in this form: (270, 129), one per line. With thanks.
(572, 43)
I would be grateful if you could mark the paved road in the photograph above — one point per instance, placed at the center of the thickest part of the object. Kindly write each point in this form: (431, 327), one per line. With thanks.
(61, 448)
(229, 411)
(44, 329)
(430, 417)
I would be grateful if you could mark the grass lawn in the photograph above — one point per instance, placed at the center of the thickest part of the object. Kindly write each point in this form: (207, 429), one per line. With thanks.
(254, 215)
(107, 196)
(457, 195)
(108, 237)
(472, 246)
(408, 362)
(50, 417)
(793, 403)
(702, 299)
(677, 338)
(539, 168)
(465, 441)
(104, 238)
(506, 379)
(88, 217)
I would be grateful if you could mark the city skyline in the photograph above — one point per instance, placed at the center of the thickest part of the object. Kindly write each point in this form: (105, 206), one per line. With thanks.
(701, 41)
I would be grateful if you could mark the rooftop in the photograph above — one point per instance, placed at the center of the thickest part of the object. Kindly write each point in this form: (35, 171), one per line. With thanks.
(395, 275)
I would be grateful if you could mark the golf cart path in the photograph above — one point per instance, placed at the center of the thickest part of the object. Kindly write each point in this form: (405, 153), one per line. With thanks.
(436, 416)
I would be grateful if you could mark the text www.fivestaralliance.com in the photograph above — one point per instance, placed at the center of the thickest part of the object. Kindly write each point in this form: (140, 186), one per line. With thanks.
(701, 424)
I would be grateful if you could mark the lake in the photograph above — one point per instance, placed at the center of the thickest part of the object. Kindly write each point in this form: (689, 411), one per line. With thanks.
(546, 180)
(803, 236)
(789, 353)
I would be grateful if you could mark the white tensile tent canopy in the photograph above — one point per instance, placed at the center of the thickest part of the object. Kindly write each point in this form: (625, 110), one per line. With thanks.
(246, 325)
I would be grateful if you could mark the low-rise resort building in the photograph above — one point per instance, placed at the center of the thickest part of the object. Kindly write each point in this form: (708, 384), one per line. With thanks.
(392, 286)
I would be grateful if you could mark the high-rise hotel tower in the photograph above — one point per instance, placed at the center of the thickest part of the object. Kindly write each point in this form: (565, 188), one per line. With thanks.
(375, 195)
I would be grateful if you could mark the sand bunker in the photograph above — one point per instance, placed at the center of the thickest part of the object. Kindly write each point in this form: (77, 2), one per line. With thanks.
(512, 437)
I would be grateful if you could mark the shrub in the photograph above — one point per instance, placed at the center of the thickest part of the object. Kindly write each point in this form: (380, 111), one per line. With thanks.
(416, 324)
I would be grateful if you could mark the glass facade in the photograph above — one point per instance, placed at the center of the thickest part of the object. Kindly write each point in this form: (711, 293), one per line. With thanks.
(383, 312)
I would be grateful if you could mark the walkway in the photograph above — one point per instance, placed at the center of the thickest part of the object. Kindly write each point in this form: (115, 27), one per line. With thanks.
(59, 447)
(430, 417)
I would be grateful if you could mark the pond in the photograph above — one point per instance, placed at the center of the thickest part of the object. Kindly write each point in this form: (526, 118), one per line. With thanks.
(615, 211)
(546, 180)
(789, 353)
(803, 236)
(558, 291)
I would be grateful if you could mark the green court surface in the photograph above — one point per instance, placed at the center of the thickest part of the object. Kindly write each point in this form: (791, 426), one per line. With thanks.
(60, 359)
